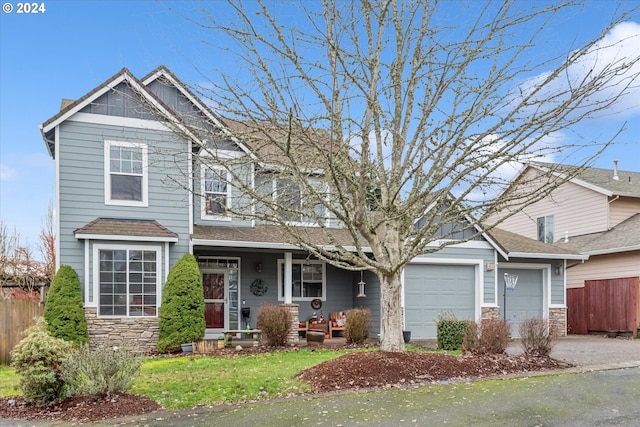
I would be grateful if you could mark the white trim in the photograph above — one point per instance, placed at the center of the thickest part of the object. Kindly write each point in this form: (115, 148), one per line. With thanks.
(547, 256)
(190, 194)
(469, 244)
(87, 276)
(96, 274)
(107, 174)
(125, 238)
(478, 272)
(56, 150)
(131, 122)
(612, 250)
(302, 262)
(203, 198)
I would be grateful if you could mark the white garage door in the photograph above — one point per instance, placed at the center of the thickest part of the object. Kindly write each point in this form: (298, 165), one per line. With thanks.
(435, 289)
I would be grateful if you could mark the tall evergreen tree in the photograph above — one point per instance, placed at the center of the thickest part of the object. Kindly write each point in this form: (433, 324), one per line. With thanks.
(64, 310)
(182, 309)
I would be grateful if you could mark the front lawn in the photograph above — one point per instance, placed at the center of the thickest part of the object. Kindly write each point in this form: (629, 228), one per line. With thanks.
(182, 382)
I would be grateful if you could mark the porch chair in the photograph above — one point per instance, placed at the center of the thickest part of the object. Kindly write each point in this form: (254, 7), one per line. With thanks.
(337, 322)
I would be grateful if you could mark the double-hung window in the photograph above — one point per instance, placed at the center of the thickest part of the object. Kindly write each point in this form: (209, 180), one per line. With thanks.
(294, 206)
(215, 189)
(545, 229)
(308, 280)
(126, 178)
(128, 281)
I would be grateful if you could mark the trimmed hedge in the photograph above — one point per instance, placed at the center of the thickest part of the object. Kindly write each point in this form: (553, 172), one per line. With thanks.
(451, 332)
(64, 311)
(182, 310)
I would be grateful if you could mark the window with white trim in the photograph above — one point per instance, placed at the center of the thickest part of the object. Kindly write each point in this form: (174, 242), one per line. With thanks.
(545, 229)
(128, 281)
(216, 191)
(288, 196)
(126, 171)
(308, 280)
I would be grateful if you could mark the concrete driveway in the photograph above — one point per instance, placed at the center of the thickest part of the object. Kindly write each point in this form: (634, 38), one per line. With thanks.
(592, 351)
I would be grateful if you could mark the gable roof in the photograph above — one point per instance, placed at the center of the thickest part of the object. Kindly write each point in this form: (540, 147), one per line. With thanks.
(517, 246)
(623, 237)
(597, 179)
(124, 75)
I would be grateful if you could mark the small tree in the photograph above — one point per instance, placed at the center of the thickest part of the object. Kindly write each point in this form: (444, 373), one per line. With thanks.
(275, 323)
(64, 310)
(182, 309)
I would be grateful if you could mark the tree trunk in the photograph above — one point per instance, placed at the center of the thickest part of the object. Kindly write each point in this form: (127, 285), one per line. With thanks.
(391, 313)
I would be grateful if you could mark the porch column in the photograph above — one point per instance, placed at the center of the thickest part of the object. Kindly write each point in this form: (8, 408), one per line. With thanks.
(288, 256)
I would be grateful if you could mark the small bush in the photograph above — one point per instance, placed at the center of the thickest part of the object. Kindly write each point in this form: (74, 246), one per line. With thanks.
(102, 371)
(275, 323)
(494, 336)
(38, 359)
(450, 332)
(356, 329)
(537, 336)
(64, 310)
(470, 340)
(181, 316)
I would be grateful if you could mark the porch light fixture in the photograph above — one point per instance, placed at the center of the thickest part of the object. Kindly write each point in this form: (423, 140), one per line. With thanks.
(361, 284)
(559, 270)
(259, 267)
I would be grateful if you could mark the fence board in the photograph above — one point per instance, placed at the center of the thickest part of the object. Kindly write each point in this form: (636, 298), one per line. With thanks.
(576, 311)
(16, 315)
(612, 304)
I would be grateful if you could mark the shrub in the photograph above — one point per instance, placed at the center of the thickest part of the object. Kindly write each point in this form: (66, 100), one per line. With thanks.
(356, 328)
(182, 310)
(494, 336)
(536, 336)
(471, 337)
(103, 371)
(275, 323)
(450, 331)
(38, 360)
(64, 310)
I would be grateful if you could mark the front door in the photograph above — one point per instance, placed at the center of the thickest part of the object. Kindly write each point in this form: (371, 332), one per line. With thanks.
(215, 310)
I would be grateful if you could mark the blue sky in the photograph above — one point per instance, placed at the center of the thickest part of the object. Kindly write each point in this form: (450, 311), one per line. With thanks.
(75, 45)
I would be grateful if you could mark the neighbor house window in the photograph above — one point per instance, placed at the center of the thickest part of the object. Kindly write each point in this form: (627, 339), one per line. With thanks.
(125, 173)
(308, 279)
(128, 281)
(215, 182)
(545, 229)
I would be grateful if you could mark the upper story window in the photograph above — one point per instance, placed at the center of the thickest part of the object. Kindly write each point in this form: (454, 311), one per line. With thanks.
(216, 191)
(545, 229)
(308, 279)
(294, 207)
(126, 173)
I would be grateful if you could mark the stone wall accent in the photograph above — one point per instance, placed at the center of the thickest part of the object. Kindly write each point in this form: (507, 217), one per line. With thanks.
(295, 319)
(490, 313)
(137, 333)
(558, 318)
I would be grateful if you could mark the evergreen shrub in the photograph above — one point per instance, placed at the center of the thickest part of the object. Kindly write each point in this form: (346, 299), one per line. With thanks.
(63, 310)
(38, 360)
(181, 315)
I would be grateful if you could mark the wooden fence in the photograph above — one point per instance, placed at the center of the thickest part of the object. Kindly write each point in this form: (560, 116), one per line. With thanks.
(16, 315)
(604, 306)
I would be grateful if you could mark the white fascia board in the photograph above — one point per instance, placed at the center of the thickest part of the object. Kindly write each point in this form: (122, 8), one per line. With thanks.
(107, 87)
(244, 244)
(196, 101)
(577, 181)
(469, 244)
(548, 256)
(81, 236)
(449, 261)
(613, 250)
(102, 119)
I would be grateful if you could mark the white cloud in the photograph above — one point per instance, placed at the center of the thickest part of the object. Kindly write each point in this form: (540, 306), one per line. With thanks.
(7, 173)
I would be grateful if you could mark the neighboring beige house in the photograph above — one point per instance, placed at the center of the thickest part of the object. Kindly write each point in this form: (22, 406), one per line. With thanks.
(596, 213)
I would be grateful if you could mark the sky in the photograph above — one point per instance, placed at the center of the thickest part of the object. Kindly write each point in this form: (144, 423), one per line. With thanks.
(70, 47)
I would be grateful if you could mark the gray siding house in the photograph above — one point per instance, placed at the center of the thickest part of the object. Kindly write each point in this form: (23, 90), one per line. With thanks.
(132, 198)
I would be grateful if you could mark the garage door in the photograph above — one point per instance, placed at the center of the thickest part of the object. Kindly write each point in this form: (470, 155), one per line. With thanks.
(525, 301)
(434, 289)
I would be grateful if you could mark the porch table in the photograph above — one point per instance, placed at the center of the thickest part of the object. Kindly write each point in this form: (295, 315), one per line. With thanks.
(255, 333)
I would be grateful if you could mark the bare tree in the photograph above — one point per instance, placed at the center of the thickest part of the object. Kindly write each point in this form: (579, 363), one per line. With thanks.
(384, 120)
(48, 244)
(17, 264)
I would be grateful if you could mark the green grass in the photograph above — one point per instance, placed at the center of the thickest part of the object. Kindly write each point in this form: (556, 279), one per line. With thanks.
(8, 382)
(183, 382)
